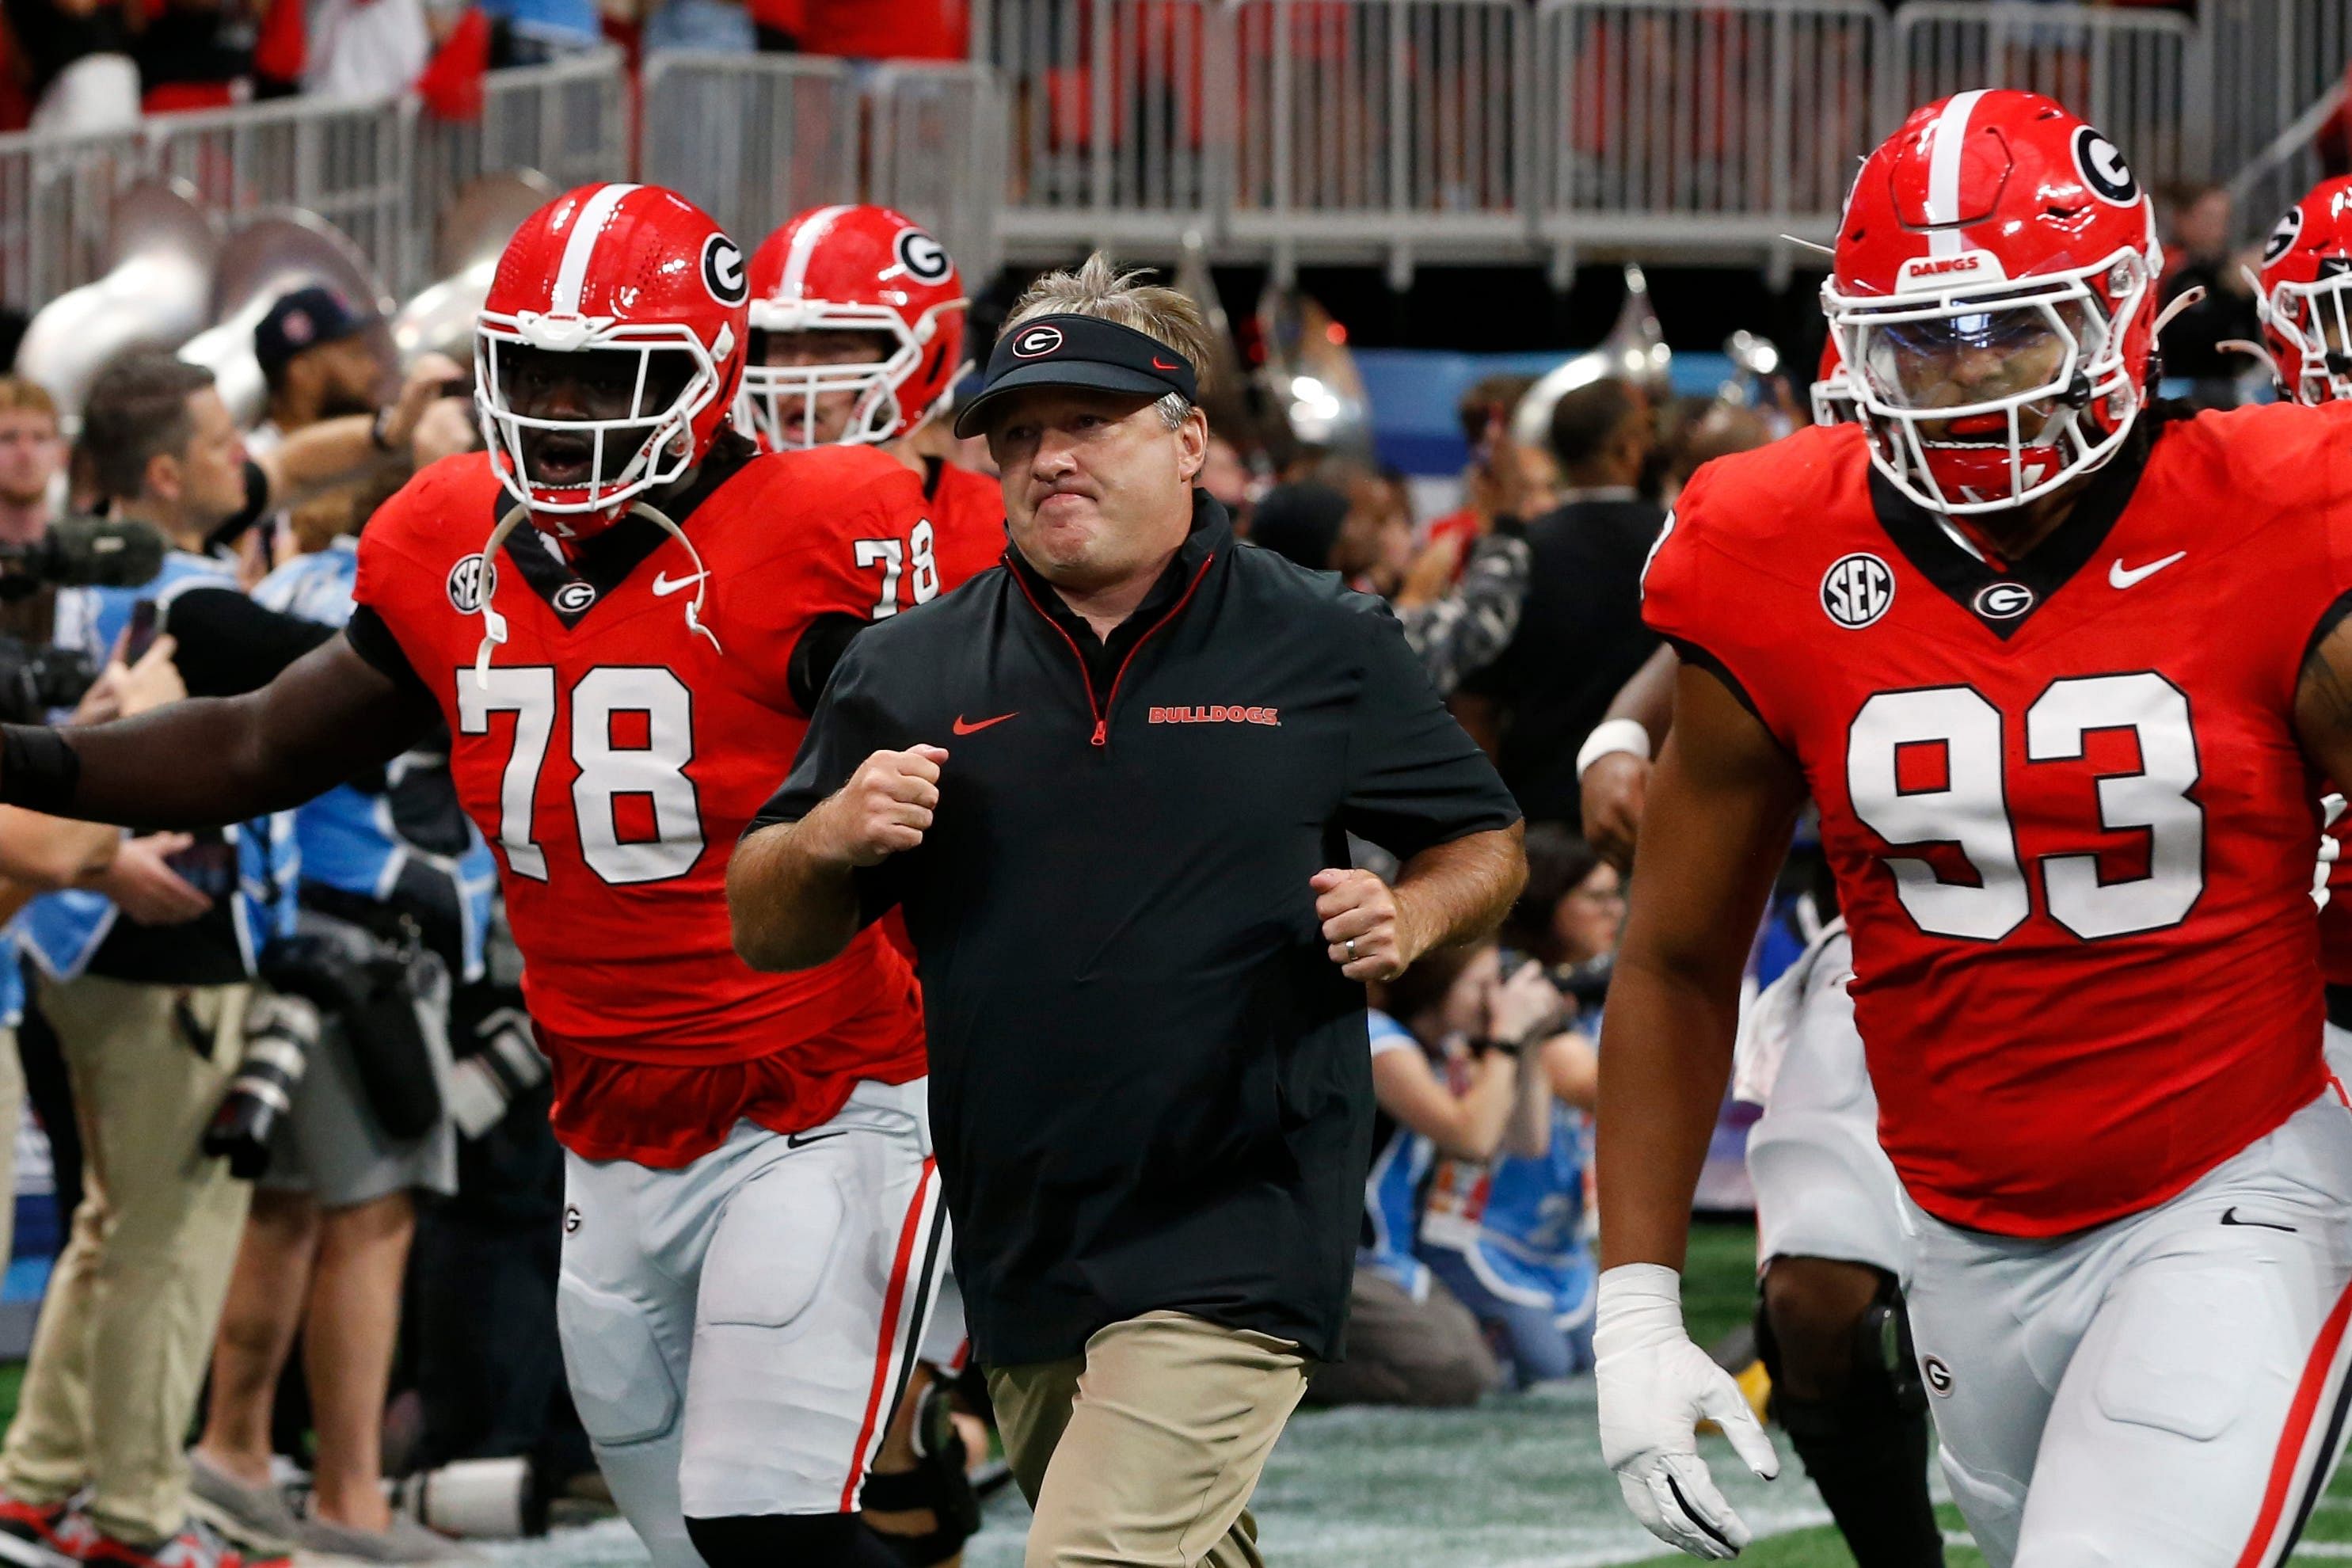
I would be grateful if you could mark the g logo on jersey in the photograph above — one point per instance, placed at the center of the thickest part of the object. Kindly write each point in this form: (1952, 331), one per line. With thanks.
(1857, 589)
(1037, 342)
(2103, 168)
(471, 583)
(1939, 1375)
(2282, 238)
(722, 271)
(574, 597)
(2003, 600)
(925, 259)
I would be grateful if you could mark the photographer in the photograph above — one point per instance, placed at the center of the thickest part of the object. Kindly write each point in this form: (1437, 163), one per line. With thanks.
(391, 871)
(151, 1022)
(1451, 1084)
(1509, 1238)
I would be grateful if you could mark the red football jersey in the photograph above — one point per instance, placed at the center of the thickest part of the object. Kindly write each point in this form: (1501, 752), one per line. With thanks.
(616, 756)
(970, 511)
(2070, 824)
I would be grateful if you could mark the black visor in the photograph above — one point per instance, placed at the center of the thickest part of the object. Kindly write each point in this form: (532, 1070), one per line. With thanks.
(1081, 352)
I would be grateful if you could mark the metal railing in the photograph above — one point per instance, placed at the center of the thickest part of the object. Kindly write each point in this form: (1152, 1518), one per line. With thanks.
(1285, 131)
(378, 169)
(772, 134)
(570, 121)
(1397, 126)
(56, 194)
(344, 161)
(1705, 129)
(2132, 73)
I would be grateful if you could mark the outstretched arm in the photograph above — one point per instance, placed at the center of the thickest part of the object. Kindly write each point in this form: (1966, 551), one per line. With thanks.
(329, 717)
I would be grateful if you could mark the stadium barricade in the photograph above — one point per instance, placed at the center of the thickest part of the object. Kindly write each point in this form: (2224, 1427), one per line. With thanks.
(344, 160)
(2134, 73)
(1703, 129)
(1119, 119)
(1396, 126)
(570, 121)
(756, 138)
(378, 169)
(2277, 67)
(56, 193)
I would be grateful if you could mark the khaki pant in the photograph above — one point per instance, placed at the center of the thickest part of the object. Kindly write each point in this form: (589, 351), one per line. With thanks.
(1145, 1450)
(127, 1323)
(12, 1115)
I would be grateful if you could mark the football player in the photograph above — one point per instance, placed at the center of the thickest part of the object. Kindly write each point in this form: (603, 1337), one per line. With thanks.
(2060, 726)
(609, 609)
(857, 337)
(2304, 295)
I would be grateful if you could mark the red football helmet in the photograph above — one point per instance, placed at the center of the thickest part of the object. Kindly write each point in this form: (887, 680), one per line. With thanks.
(857, 269)
(1832, 399)
(2306, 295)
(1994, 301)
(632, 271)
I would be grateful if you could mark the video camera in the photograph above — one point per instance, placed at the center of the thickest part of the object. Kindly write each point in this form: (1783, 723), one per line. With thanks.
(76, 553)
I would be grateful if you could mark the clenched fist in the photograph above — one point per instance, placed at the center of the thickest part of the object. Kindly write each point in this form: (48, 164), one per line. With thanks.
(1369, 937)
(885, 808)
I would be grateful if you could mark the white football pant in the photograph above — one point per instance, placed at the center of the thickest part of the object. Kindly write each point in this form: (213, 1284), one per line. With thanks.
(737, 1332)
(2165, 1391)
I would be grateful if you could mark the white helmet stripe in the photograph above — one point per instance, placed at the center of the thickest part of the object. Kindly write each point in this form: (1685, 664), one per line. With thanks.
(580, 245)
(804, 243)
(1944, 173)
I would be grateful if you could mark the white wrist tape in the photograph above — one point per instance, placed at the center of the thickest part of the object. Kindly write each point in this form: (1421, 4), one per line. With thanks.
(1612, 735)
(1638, 1304)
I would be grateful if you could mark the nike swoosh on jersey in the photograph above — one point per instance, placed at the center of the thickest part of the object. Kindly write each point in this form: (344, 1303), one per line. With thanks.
(963, 726)
(801, 1140)
(2230, 1217)
(664, 587)
(2121, 576)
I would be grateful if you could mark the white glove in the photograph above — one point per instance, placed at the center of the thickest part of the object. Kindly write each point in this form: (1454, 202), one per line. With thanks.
(1655, 1388)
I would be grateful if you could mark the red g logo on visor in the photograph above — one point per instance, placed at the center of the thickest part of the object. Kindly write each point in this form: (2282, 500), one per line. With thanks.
(1038, 340)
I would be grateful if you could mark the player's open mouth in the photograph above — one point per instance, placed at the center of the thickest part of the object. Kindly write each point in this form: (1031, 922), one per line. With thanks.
(559, 458)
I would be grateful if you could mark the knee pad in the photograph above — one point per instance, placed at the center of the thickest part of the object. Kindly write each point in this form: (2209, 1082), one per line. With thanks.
(621, 1381)
(938, 1482)
(776, 1540)
(1882, 1379)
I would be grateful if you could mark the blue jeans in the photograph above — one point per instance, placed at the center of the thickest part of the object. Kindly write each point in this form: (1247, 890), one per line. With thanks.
(1544, 1344)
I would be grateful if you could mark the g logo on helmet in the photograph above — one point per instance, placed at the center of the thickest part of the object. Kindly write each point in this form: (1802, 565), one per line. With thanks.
(2003, 600)
(2283, 236)
(1856, 590)
(925, 259)
(471, 583)
(2103, 168)
(1036, 342)
(722, 271)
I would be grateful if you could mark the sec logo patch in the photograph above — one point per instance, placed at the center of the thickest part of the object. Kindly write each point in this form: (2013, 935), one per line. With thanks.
(472, 581)
(1857, 589)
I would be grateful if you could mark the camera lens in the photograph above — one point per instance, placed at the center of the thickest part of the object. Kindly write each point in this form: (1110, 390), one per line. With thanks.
(278, 1034)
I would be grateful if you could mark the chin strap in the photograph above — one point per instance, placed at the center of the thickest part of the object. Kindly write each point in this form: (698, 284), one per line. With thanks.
(494, 624)
(2187, 299)
(701, 574)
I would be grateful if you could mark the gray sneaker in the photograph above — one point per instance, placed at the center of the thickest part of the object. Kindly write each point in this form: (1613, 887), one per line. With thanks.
(257, 1518)
(403, 1541)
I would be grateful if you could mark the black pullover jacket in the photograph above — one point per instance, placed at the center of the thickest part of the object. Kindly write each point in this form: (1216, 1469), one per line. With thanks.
(1150, 1087)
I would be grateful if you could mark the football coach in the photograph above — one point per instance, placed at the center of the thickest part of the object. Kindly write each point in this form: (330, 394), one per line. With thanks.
(1110, 785)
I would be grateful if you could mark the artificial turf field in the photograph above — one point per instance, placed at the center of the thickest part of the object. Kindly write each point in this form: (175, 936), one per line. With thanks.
(1515, 1483)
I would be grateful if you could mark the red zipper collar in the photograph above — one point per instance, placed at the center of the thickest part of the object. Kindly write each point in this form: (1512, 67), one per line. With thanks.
(1101, 709)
